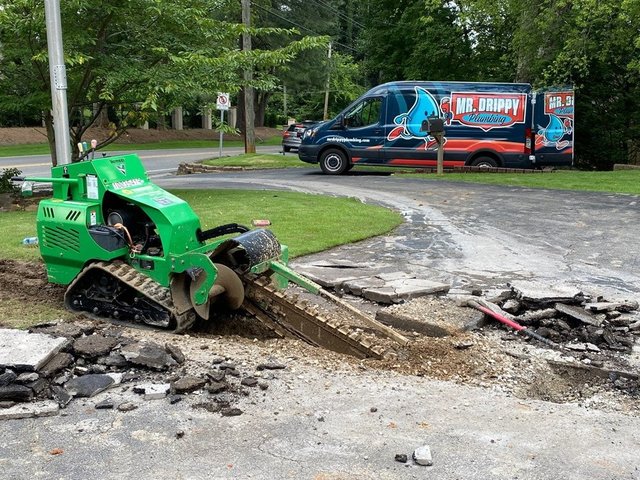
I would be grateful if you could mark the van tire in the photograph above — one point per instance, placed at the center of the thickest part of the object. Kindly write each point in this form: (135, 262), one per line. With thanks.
(334, 162)
(484, 162)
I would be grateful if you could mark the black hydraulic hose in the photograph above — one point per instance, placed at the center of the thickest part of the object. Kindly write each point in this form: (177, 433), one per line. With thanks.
(220, 231)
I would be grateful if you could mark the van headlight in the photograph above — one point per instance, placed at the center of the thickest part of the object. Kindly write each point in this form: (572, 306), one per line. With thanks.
(309, 133)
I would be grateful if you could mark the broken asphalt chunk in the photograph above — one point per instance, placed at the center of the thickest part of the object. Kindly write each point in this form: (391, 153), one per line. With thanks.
(175, 352)
(15, 392)
(23, 351)
(8, 377)
(94, 345)
(271, 365)
(149, 355)
(61, 396)
(217, 387)
(249, 381)
(106, 404)
(230, 412)
(88, 385)
(127, 407)
(59, 362)
(187, 384)
(580, 314)
(626, 306)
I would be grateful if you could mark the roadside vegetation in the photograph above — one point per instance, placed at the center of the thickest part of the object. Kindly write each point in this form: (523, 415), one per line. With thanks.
(255, 161)
(306, 223)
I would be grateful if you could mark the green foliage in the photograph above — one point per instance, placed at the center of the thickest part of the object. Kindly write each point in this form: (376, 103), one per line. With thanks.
(591, 44)
(6, 186)
(133, 58)
(305, 78)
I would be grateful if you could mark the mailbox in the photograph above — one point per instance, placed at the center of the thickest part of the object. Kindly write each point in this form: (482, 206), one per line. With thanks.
(435, 126)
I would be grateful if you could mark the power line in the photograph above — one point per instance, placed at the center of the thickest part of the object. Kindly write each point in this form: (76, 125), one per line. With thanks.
(337, 12)
(275, 14)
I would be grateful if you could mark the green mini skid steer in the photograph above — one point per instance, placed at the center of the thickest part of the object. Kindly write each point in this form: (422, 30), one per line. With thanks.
(130, 250)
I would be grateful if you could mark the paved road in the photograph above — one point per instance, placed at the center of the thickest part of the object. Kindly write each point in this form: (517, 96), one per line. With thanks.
(155, 161)
(479, 235)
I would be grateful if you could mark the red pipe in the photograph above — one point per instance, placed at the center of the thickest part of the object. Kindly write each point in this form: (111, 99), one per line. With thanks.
(497, 316)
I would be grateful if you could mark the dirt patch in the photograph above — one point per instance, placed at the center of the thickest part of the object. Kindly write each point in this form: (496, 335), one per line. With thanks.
(22, 136)
(27, 281)
(490, 357)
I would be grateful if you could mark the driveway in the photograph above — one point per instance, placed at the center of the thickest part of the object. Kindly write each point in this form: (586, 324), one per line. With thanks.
(477, 236)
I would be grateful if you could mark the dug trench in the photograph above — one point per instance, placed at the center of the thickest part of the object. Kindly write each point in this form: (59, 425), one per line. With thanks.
(488, 356)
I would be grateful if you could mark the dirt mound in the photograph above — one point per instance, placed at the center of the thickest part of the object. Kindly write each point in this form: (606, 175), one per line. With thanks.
(21, 136)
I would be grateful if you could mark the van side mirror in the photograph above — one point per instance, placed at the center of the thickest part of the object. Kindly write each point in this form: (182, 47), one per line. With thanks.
(341, 121)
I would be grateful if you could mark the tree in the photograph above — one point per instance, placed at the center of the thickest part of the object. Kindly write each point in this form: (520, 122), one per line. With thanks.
(134, 58)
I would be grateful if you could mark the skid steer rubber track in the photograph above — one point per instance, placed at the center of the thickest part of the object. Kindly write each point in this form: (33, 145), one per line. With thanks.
(117, 291)
(287, 317)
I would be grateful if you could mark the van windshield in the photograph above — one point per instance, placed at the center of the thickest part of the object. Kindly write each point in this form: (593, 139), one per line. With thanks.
(364, 113)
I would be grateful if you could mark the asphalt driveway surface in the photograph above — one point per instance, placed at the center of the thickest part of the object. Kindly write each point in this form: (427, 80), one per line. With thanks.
(478, 235)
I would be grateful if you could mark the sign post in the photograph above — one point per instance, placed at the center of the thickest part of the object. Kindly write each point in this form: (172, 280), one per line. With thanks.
(222, 104)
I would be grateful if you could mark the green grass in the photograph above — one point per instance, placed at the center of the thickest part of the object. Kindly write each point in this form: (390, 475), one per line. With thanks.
(306, 223)
(257, 160)
(43, 148)
(20, 314)
(620, 181)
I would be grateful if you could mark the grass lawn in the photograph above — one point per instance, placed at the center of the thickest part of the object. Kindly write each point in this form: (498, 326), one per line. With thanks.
(306, 223)
(43, 148)
(258, 160)
(619, 181)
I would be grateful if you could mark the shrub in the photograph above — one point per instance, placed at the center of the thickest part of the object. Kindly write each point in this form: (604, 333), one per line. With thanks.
(6, 186)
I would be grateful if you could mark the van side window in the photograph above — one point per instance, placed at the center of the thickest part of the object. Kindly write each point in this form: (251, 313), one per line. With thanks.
(364, 113)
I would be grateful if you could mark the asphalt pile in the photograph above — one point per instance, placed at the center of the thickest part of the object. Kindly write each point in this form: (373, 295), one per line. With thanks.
(580, 322)
(94, 359)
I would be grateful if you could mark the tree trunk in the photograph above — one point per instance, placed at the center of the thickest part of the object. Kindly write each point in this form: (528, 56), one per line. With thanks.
(261, 107)
(240, 112)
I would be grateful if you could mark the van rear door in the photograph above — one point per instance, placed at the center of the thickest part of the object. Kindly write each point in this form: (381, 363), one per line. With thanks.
(553, 126)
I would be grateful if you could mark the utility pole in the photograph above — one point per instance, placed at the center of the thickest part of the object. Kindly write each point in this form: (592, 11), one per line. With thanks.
(284, 101)
(249, 113)
(58, 79)
(326, 92)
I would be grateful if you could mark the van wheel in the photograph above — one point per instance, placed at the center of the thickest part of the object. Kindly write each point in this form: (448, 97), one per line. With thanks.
(334, 162)
(484, 162)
